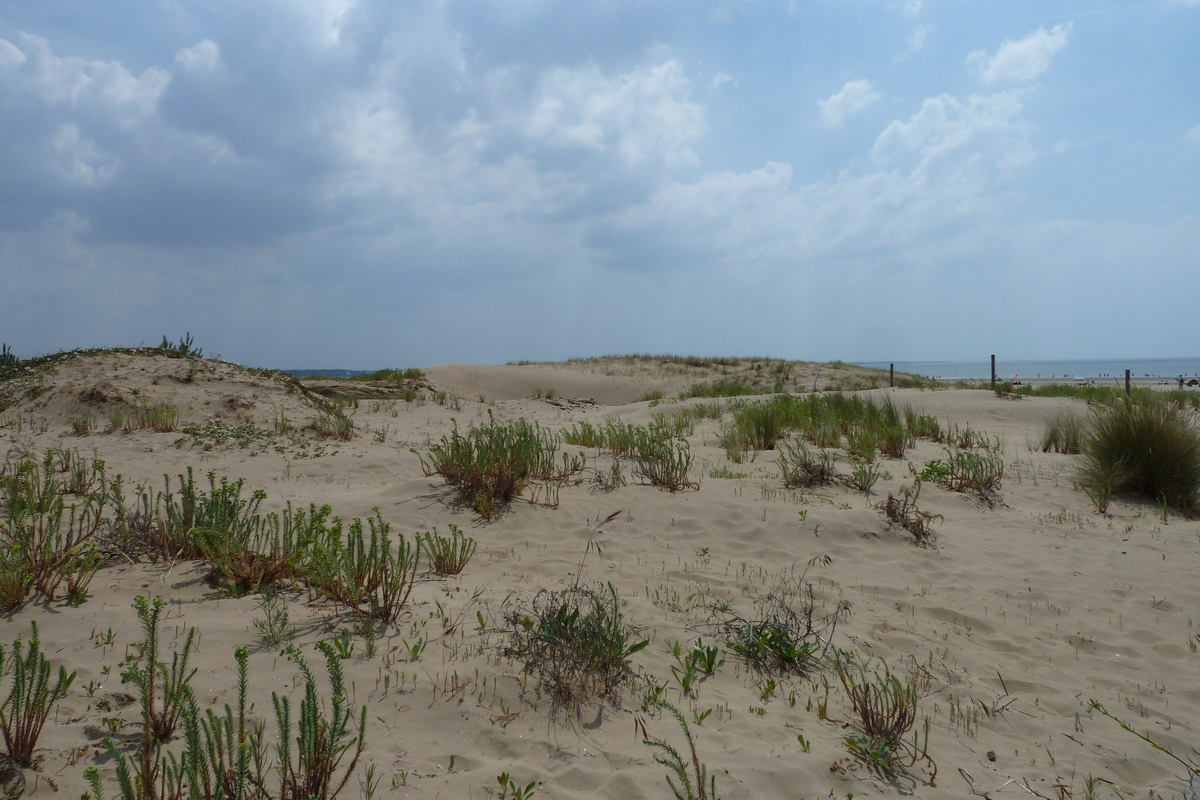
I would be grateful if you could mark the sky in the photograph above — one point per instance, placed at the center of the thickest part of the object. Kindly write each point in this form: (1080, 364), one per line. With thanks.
(389, 183)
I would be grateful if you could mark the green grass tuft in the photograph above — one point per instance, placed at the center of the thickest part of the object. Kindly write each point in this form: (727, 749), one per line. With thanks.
(1145, 445)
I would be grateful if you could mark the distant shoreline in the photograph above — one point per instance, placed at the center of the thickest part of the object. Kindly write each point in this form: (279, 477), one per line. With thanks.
(1143, 370)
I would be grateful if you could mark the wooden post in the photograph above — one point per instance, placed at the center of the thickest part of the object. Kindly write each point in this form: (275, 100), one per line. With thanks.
(1127, 389)
(993, 370)
(892, 375)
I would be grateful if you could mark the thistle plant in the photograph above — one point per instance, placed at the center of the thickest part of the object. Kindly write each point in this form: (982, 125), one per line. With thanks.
(31, 697)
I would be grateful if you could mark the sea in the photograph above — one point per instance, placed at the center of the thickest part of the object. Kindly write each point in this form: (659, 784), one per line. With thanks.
(1006, 368)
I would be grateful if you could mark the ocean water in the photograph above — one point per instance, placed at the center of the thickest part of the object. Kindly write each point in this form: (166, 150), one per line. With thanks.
(1097, 369)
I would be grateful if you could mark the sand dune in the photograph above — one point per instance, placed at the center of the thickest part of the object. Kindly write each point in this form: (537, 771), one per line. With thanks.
(1026, 608)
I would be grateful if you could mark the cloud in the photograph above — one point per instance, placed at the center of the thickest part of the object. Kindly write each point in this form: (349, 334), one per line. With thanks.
(10, 54)
(642, 115)
(915, 42)
(988, 125)
(1194, 134)
(203, 57)
(1023, 60)
(854, 96)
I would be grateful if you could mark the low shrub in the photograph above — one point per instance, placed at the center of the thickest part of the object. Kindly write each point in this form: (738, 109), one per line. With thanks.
(7, 359)
(864, 476)
(49, 545)
(800, 468)
(162, 417)
(575, 642)
(365, 574)
(31, 698)
(335, 425)
(719, 389)
(323, 740)
(790, 628)
(885, 710)
(1064, 434)
(761, 425)
(183, 349)
(662, 461)
(902, 510)
(447, 555)
(979, 472)
(225, 756)
(493, 464)
(1145, 445)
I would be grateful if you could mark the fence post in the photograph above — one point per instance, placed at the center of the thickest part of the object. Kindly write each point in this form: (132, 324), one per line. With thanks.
(1127, 389)
(892, 376)
(993, 370)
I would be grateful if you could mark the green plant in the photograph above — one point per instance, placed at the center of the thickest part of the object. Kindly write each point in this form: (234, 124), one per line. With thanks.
(652, 695)
(663, 461)
(224, 756)
(789, 630)
(1193, 769)
(707, 658)
(976, 471)
(343, 645)
(183, 349)
(1063, 434)
(1145, 445)
(935, 471)
(46, 542)
(161, 417)
(159, 684)
(800, 468)
(415, 649)
(447, 555)
(863, 476)
(31, 696)
(509, 786)
(365, 574)
(273, 628)
(7, 359)
(761, 425)
(323, 740)
(575, 642)
(903, 511)
(334, 425)
(494, 464)
(165, 695)
(885, 709)
(685, 675)
(694, 785)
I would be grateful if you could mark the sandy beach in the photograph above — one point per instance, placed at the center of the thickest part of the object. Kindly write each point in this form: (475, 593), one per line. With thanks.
(1023, 609)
